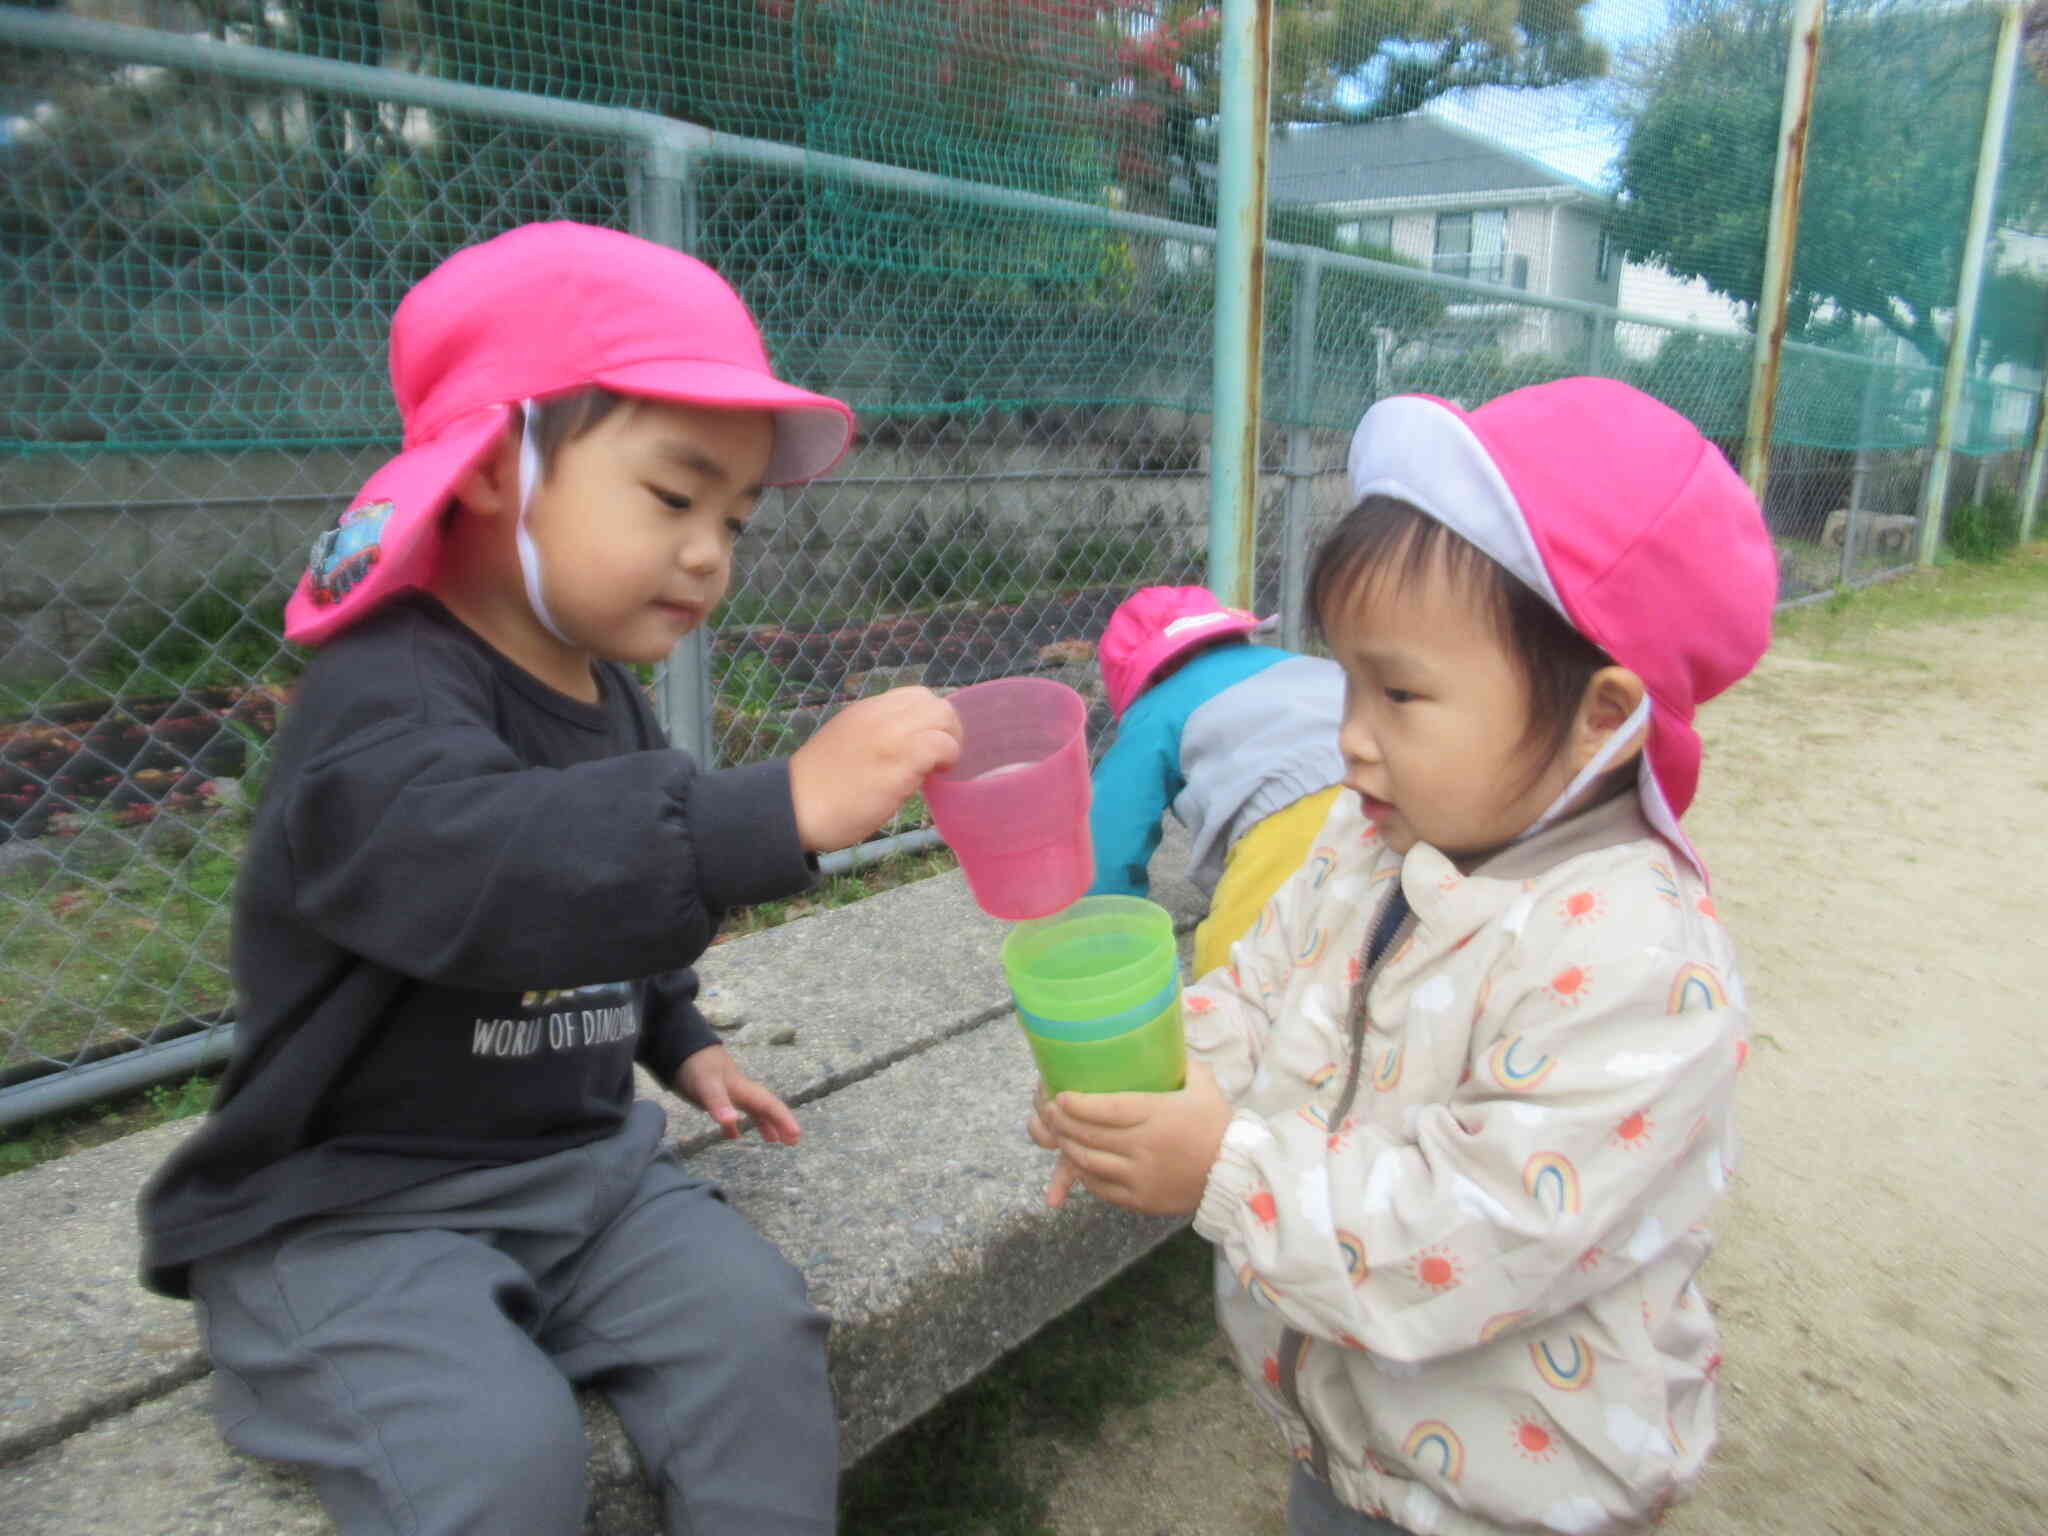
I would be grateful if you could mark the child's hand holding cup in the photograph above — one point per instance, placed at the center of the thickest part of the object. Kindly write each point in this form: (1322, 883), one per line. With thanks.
(1014, 804)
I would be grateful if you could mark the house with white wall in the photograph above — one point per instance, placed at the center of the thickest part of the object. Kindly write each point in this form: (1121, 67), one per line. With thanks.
(1461, 204)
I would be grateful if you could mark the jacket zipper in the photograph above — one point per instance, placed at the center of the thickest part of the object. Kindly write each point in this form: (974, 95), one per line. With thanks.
(1293, 1342)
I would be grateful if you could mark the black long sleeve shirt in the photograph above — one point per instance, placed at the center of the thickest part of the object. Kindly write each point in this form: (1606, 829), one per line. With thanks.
(466, 909)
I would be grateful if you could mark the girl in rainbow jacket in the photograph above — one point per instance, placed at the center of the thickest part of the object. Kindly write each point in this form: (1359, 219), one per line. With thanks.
(1459, 1105)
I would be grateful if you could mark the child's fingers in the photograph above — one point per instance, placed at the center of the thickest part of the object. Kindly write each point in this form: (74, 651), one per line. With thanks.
(934, 750)
(772, 1117)
(712, 1097)
(1063, 1180)
(1097, 1166)
(1037, 1130)
(1068, 1130)
(777, 1124)
(1117, 1111)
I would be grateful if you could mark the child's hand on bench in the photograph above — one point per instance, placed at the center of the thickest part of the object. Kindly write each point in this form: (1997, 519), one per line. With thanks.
(712, 1080)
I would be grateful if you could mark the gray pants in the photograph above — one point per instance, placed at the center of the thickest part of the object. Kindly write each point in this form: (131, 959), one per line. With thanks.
(1314, 1510)
(416, 1353)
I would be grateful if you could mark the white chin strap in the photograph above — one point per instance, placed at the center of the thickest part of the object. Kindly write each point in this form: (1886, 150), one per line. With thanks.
(1635, 726)
(529, 554)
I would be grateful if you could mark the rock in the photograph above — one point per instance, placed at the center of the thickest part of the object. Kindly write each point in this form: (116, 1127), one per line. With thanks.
(765, 1034)
(224, 791)
(1066, 650)
(1889, 532)
(861, 685)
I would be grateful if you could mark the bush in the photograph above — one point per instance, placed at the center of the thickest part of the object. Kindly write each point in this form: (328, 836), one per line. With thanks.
(749, 682)
(224, 632)
(1101, 559)
(1985, 531)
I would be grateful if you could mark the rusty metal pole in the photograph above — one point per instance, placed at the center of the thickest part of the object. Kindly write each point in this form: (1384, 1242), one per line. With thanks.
(1963, 336)
(1247, 49)
(1795, 123)
(2037, 458)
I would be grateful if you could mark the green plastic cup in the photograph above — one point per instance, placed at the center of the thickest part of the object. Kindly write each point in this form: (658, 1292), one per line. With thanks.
(1097, 988)
(1097, 957)
(1153, 1058)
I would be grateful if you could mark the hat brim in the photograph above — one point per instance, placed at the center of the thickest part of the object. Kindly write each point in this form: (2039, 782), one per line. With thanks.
(406, 498)
(812, 432)
(1419, 449)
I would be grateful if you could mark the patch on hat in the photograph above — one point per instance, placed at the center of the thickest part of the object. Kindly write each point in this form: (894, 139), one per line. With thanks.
(1186, 622)
(347, 552)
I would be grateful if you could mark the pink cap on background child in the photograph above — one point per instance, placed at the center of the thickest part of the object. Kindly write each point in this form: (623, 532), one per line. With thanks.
(1612, 507)
(1154, 625)
(542, 310)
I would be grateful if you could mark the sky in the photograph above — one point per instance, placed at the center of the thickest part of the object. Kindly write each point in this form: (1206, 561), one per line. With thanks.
(1565, 129)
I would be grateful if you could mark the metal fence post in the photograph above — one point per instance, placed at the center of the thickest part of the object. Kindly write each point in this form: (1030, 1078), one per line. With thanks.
(1240, 299)
(2030, 482)
(1300, 455)
(1990, 150)
(665, 211)
(1795, 122)
(1866, 429)
(1599, 332)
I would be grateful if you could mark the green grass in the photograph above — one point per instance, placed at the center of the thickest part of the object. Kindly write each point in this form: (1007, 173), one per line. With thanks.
(225, 634)
(974, 1465)
(1856, 625)
(75, 1130)
(839, 891)
(118, 938)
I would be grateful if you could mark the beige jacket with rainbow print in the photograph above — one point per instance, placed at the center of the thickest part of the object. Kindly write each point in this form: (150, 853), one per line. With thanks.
(1458, 1226)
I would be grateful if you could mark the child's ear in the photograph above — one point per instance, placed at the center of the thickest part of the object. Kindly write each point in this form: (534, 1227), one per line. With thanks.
(1611, 696)
(491, 485)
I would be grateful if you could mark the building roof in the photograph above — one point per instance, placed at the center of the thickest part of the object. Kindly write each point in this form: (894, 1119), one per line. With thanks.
(1412, 157)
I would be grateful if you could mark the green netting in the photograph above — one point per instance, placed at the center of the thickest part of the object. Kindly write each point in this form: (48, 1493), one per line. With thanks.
(196, 263)
(1017, 95)
(1617, 156)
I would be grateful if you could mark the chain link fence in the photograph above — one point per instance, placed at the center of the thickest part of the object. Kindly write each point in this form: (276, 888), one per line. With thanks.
(988, 225)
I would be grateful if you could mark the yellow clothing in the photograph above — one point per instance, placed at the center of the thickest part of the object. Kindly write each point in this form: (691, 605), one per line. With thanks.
(1260, 863)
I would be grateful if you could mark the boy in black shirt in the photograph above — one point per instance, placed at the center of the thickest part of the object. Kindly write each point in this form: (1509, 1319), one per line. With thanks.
(426, 1204)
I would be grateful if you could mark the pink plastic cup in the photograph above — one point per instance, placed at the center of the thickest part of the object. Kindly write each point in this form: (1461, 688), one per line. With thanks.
(1015, 807)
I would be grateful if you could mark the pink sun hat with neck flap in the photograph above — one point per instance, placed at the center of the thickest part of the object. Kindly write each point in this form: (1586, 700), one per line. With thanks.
(1616, 511)
(1153, 626)
(544, 309)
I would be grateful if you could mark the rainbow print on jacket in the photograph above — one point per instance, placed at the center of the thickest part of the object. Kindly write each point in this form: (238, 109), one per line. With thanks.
(1550, 1179)
(1433, 1443)
(1517, 1067)
(1565, 1364)
(1696, 988)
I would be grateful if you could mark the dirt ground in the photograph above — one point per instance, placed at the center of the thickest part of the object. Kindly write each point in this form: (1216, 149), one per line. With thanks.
(1877, 826)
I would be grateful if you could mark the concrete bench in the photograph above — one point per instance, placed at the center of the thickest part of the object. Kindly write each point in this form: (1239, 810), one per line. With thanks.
(913, 1205)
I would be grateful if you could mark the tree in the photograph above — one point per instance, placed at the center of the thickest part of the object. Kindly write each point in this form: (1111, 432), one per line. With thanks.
(1333, 61)
(1898, 113)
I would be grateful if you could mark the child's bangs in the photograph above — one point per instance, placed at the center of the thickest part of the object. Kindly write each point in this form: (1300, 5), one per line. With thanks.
(562, 419)
(1384, 539)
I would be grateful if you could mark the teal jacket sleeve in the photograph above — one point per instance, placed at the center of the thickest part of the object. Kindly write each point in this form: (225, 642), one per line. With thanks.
(1134, 785)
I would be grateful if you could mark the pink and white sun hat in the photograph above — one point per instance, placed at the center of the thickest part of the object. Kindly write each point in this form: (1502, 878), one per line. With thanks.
(1612, 507)
(1154, 625)
(542, 310)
